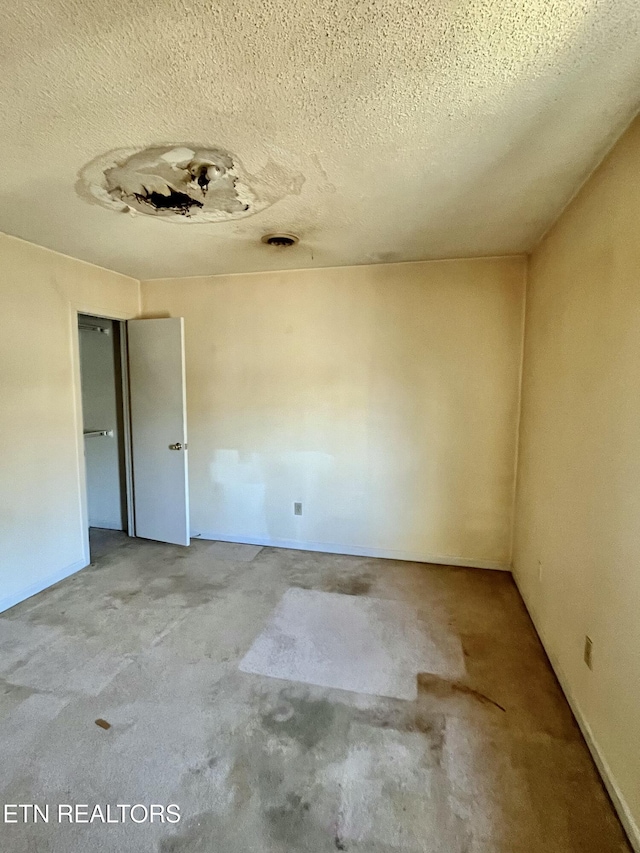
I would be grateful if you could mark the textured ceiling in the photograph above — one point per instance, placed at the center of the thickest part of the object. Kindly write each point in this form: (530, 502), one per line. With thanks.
(389, 129)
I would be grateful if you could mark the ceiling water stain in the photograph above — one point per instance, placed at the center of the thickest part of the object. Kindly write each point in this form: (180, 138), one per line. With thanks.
(184, 183)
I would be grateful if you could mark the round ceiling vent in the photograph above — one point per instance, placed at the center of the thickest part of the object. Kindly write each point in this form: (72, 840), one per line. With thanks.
(281, 240)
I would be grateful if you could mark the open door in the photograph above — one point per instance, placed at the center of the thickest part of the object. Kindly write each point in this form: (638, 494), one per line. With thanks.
(159, 429)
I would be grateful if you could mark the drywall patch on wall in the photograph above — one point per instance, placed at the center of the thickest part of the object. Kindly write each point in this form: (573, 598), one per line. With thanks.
(383, 398)
(183, 183)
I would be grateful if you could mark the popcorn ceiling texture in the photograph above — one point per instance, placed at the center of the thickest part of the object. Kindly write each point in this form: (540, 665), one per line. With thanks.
(389, 130)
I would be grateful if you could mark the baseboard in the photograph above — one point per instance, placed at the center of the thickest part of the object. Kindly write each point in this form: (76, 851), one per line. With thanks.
(39, 585)
(357, 551)
(617, 798)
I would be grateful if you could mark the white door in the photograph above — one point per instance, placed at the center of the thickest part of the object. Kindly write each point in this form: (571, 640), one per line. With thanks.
(159, 429)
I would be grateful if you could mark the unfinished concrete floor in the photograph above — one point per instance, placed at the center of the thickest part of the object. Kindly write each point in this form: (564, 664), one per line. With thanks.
(150, 637)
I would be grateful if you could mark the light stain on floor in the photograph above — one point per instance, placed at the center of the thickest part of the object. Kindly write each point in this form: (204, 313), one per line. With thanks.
(149, 638)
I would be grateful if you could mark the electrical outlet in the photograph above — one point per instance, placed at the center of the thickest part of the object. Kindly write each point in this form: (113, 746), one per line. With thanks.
(588, 652)
(297, 508)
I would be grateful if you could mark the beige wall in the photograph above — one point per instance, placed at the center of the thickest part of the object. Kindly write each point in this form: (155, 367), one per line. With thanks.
(42, 537)
(384, 398)
(577, 543)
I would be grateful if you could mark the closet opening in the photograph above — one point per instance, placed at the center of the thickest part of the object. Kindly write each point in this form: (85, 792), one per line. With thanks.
(106, 434)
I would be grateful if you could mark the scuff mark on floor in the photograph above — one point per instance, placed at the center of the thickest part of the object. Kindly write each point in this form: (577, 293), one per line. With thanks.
(429, 683)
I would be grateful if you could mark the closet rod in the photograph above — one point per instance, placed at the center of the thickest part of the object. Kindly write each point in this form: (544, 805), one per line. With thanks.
(85, 327)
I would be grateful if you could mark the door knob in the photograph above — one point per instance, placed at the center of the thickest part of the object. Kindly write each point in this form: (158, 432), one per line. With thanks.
(176, 446)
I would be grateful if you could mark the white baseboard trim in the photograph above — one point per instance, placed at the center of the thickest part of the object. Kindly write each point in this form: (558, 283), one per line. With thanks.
(356, 551)
(39, 585)
(617, 798)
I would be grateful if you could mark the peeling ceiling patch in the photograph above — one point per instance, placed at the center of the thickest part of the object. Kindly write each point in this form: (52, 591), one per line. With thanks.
(179, 183)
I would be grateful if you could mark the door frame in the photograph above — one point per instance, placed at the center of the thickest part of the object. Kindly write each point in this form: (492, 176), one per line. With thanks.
(125, 420)
(126, 429)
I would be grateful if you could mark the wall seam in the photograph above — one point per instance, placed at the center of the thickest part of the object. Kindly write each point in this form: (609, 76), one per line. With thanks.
(469, 258)
(604, 155)
(523, 329)
(67, 257)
